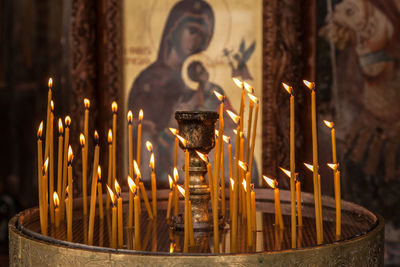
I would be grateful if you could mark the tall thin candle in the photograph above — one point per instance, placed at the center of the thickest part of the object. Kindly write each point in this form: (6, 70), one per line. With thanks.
(65, 159)
(114, 109)
(51, 155)
(169, 197)
(56, 209)
(120, 215)
(246, 187)
(254, 132)
(70, 185)
(331, 125)
(82, 141)
(85, 150)
(60, 156)
(142, 189)
(92, 210)
(176, 197)
(278, 213)
(336, 182)
(113, 239)
(47, 141)
(139, 138)
(153, 186)
(250, 90)
(100, 193)
(316, 202)
(109, 176)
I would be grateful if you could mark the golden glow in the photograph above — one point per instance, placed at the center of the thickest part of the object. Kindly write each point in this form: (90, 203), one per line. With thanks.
(129, 117)
(152, 161)
(244, 185)
(140, 115)
(333, 166)
(66, 191)
(114, 107)
(171, 182)
(235, 131)
(51, 105)
(173, 131)
(288, 88)
(232, 183)
(45, 165)
(112, 196)
(99, 172)
(171, 248)
(180, 188)
(176, 175)
(219, 96)
(40, 130)
(202, 156)
(310, 85)
(248, 87)
(132, 185)
(253, 98)
(50, 83)
(227, 139)
(67, 121)
(86, 103)
(149, 146)
(329, 124)
(238, 82)
(137, 170)
(56, 200)
(216, 133)
(117, 188)
(60, 126)
(243, 165)
(70, 154)
(309, 166)
(96, 136)
(271, 182)
(109, 139)
(287, 172)
(82, 139)
(233, 116)
(183, 141)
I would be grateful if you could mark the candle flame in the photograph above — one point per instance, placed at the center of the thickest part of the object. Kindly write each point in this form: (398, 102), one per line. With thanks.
(99, 173)
(233, 116)
(129, 117)
(112, 196)
(86, 103)
(176, 175)
(149, 146)
(329, 124)
(271, 182)
(171, 248)
(140, 115)
(96, 137)
(56, 200)
(232, 183)
(287, 172)
(235, 131)
(227, 139)
(238, 82)
(219, 96)
(66, 191)
(248, 87)
(244, 185)
(40, 130)
(243, 165)
(170, 181)
(253, 98)
(50, 83)
(333, 166)
(52, 105)
(310, 85)
(137, 170)
(183, 140)
(70, 155)
(60, 126)
(114, 107)
(67, 121)
(202, 156)
(216, 133)
(288, 88)
(309, 166)
(82, 139)
(173, 131)
(132, 185)
(45, 166)
(117, 188)
(152, 161)
(109, 139)
(181, 190)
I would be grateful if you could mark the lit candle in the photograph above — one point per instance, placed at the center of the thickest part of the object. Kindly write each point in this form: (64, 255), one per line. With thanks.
(47, 141)
(242, 176)
(130, 143)
(210, 175)
(51, 154)
(218, 167)
(236, 119)
(142, 189)
(120, 215)
(92, 210)
(70, 185)
(336, 175)
(331, 125)
(278, 213)
(60, 156)
(43, 219)
(109, 177)
(169, 197)
(222, 180)
(114, 109)
(240, 84)
(85, 149)
(65, 159)
(100, 193)
(232, 183)
(298, 197)
(253, 135)
(139, 138)
(153, 185)
(189, 239)
(84, 172)
(317, 186)
(253, 208)
(187, 181)
(40, 170)
(133, 189)
(246, 187)
(317, 210)
(176, 197)
(68, 212)
(113, 240)
(56, 209)
(250, 90)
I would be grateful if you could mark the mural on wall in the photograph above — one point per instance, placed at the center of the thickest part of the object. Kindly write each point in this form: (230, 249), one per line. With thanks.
(176, 54)
(361, 87)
